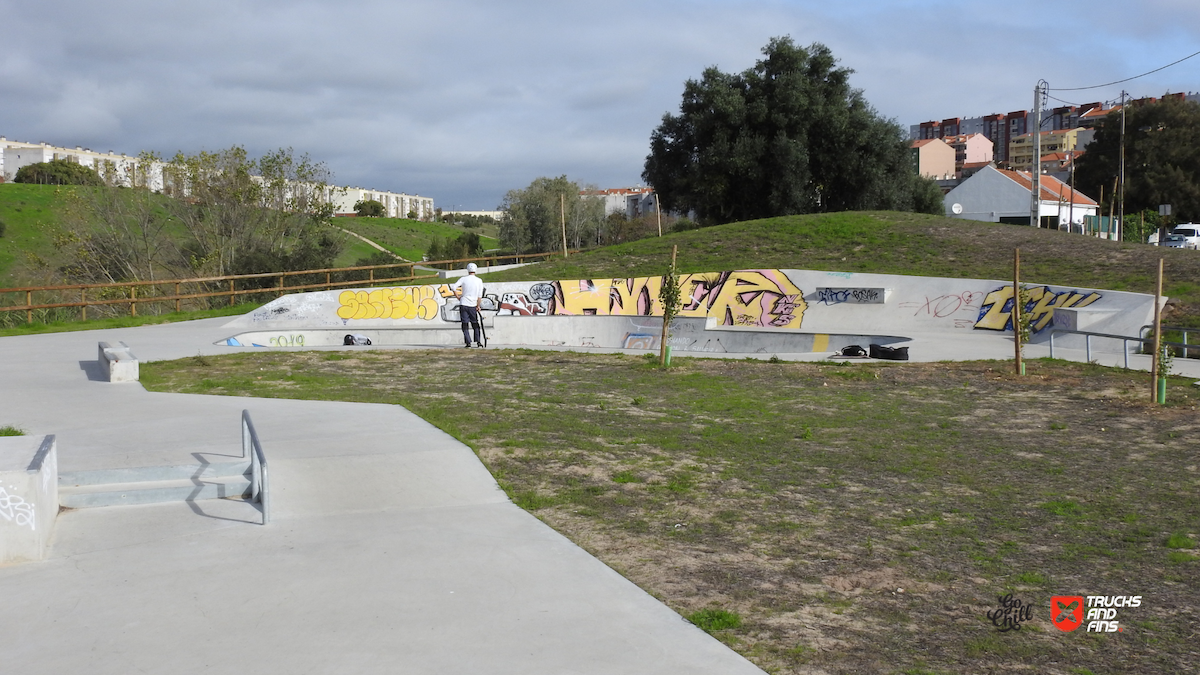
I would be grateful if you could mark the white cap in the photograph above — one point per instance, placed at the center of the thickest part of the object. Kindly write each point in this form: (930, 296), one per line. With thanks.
(471, 267)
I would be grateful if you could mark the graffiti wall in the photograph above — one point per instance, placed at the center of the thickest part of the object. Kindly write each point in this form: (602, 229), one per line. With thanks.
(756, 298)
(759, 301)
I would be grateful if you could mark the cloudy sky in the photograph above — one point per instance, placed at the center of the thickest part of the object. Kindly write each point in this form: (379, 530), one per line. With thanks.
(462, 100)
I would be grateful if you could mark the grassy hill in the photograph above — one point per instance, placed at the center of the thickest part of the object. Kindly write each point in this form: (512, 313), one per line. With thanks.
(410, 238)
(30, 214)
(897, 243)
(33, 213)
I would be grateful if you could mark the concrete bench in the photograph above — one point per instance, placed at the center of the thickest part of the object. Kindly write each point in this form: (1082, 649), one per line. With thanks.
(28, 496)
(118, 363)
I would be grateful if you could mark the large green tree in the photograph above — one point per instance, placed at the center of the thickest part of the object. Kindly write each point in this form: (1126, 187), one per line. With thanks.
(788, 136)
(1162, 158)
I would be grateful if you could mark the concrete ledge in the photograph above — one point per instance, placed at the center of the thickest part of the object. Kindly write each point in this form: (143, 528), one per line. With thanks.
(118, 363)
(28, 496)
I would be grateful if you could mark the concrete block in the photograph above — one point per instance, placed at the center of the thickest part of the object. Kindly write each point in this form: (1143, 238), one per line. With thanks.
(118, 363)
(1083, 318)
(28, 496)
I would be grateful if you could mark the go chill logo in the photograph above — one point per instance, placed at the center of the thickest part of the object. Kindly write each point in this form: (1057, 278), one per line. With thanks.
(1067, 611)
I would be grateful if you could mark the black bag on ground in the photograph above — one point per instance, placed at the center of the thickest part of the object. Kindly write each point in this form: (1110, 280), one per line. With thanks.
(361, 340)
(853, 350)
(889, 353)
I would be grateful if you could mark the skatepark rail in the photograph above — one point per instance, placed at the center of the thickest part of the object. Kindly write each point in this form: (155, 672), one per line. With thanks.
(260, 480)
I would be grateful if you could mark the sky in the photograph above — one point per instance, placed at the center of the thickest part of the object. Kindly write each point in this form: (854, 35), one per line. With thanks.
(464, 100)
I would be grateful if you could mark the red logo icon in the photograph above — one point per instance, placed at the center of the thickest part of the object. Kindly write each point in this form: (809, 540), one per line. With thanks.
(1066, 611)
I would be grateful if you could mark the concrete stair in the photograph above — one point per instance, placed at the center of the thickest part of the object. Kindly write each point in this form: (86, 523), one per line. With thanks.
(154, 484)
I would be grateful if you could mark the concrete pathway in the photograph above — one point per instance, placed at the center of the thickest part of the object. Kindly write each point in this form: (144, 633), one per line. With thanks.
(391, 549)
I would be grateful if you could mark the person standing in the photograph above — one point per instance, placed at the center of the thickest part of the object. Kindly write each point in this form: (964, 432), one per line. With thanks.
(470, 294)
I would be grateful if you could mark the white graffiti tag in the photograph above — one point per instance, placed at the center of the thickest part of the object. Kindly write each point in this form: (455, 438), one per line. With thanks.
(14, 508)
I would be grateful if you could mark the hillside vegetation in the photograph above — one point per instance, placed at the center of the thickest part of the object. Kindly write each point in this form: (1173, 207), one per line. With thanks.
(886, 242)
(410, 239)
(34, 214)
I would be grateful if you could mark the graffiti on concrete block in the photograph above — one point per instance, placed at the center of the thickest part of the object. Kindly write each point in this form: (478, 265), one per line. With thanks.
(996, 312)
(640, 341)
(862, 296)
(405, 302)
(521, 304)
(754, 298)
(15, 509)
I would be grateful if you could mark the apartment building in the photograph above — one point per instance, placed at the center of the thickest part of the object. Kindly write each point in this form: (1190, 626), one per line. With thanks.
(395, 204)
(117, 169)
(1020, 149)
(970, 149)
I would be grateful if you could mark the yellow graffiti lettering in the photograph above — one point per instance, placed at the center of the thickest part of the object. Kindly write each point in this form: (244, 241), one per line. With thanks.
(405, 302)
(1040, 306)
(636, 297)
(348, 302)
(759, 298)
(996, 318)
(587, 296)
(698, 291)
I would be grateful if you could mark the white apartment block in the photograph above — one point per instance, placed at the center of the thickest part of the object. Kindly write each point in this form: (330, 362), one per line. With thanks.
(395, 205)
(116, 169)
(126, 170)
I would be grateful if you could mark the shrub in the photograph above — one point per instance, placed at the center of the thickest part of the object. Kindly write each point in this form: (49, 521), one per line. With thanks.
(58, 172)
(369, 208)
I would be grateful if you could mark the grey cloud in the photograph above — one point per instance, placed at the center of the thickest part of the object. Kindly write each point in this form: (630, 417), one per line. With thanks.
(462, 100)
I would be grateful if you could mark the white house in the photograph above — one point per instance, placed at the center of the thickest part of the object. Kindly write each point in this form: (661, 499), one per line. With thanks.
(1003, 196)
(633, 202)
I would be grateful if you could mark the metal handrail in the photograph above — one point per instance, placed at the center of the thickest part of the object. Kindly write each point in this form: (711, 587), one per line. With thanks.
(1182, 329)
(1125, 340)
(259, 477)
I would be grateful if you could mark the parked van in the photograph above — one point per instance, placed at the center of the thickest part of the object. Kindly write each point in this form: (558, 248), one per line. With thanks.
(1190, 233)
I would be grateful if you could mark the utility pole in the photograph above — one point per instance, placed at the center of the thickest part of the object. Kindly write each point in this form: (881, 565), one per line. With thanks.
(1035, 173)
(1121, 172)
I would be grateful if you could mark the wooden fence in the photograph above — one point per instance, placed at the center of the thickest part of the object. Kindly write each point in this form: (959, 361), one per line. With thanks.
(176, 291)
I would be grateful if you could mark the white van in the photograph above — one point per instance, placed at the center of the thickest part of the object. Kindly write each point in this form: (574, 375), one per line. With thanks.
(1191, 234)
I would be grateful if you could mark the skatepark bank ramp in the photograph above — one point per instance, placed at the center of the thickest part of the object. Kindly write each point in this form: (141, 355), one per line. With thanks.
(740, 311)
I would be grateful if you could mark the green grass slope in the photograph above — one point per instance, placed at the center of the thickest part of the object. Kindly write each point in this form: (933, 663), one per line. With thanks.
(30, 213)
(897, 243)
(409, 238)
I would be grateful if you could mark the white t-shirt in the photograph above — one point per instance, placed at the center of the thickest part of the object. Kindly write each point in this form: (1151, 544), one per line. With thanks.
(472, 289)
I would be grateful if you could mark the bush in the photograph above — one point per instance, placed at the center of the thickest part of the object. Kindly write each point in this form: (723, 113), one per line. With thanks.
(58, 172)
(369, 208)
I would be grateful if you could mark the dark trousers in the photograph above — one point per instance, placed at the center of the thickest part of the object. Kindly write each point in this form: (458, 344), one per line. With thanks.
(469, 315)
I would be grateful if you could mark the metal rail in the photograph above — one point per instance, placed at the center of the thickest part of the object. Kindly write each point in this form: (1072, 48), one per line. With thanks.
(259, 476)
(1125, 340)
(1182, 329)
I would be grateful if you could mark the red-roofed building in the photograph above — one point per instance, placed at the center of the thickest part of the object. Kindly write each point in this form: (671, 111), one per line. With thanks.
(1002, 196)
(933, 158)
(633, 202)
(970, 149)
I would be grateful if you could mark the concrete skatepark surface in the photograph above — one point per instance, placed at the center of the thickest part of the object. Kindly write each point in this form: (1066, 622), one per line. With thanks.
(391, 549)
